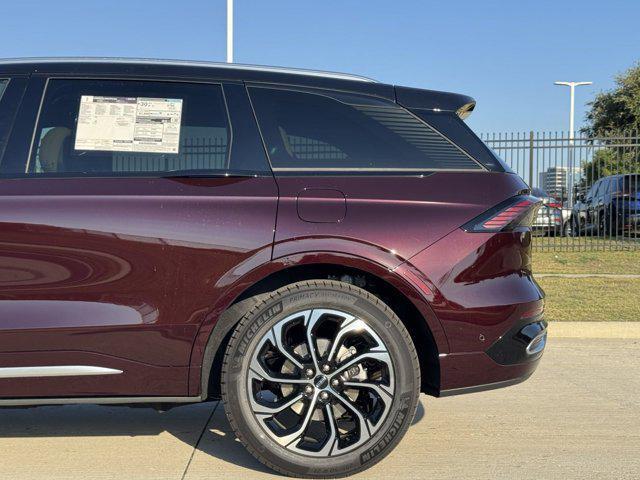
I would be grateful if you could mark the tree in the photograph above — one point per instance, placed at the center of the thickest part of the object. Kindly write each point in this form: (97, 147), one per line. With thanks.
(612, 117)
(618, 109)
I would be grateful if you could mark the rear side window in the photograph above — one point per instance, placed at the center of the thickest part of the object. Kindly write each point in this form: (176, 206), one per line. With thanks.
(629, 184)
(113, 127)
(332, 131)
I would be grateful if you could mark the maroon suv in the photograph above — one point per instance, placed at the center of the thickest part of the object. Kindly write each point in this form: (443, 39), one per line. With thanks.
(316, 249)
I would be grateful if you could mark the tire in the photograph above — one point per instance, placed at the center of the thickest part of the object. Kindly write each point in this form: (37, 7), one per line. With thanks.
(376, 339)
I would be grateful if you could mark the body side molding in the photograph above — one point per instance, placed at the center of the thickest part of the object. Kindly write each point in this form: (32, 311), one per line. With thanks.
(56, 371)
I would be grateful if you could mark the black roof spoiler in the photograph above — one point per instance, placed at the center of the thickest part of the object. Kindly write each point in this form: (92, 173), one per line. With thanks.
(421, 99)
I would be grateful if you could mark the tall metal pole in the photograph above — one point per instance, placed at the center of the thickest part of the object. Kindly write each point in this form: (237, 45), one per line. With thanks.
(229, 31)
(572, 86)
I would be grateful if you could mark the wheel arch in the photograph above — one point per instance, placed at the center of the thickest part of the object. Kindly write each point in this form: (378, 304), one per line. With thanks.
(402, 297)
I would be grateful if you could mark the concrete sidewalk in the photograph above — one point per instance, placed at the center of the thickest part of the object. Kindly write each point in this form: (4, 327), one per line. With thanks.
(577, 417)
(612, 330)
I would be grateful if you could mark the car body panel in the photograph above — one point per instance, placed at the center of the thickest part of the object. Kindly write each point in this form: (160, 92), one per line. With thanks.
(92, 269)
(400, 215)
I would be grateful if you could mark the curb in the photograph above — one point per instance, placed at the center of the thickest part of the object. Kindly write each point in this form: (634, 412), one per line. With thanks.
(626, 330)
(586, 275)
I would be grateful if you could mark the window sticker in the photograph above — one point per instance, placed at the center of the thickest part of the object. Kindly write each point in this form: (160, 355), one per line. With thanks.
(129, 124)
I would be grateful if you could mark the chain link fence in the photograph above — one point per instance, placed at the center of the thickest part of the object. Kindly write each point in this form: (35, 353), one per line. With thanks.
(590, 186)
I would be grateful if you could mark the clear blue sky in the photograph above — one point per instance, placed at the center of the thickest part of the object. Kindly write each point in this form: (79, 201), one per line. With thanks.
(506, 54)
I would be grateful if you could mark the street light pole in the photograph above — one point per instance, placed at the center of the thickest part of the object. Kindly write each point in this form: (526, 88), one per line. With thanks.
(572, 86)
(229, 31)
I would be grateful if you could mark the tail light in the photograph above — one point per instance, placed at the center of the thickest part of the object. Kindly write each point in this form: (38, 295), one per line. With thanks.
(518, 211)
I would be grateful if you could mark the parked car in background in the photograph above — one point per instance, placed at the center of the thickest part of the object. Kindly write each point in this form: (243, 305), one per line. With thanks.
(610, 207)
(549, 220)
(315, 249)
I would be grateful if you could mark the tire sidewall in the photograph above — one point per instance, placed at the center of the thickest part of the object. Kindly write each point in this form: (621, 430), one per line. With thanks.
(340, 297)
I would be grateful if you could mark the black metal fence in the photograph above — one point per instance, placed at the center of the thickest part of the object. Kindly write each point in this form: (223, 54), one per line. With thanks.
(590, 186)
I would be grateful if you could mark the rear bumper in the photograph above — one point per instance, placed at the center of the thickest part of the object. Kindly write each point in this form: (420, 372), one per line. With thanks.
(484, 387)
(477, 372)
(512, 359)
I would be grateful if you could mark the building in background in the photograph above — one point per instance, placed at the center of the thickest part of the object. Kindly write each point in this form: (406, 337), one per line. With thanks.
(555, 181)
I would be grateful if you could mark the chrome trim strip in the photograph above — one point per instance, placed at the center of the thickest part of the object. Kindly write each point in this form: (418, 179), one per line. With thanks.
(20, 402)
(56, 371)
(188, 63)
(374, 169)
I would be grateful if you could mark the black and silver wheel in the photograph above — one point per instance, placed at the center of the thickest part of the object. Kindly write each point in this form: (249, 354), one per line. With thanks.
(320, 370)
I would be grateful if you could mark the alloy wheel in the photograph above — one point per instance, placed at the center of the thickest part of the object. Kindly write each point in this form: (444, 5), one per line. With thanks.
(321, 382)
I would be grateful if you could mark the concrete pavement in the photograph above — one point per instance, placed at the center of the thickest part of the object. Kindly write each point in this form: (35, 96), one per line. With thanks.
(577, 417)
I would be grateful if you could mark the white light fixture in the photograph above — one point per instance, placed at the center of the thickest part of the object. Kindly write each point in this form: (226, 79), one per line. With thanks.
(572, 86)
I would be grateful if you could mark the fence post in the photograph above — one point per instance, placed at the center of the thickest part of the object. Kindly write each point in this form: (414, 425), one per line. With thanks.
(531, 159)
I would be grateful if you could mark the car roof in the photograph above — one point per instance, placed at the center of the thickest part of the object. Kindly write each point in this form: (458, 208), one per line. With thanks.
(184, 63)
(146, 67)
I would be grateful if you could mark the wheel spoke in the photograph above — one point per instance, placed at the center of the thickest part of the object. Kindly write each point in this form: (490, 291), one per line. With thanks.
(363, 425)
(310, 323)
(350, 326)
(381, 390)
(257, 368)
(379, 355)
(384, 395)
(332, 438)
(260, 409)
(277, 337)
(290, 439)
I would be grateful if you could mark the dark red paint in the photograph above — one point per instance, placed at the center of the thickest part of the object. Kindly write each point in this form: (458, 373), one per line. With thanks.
(134, 273)
(92, 274)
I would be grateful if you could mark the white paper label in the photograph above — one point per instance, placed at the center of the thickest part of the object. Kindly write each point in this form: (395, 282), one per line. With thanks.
(129, 124)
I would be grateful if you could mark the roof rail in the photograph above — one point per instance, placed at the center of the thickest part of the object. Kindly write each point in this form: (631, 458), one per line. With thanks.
(191, 63)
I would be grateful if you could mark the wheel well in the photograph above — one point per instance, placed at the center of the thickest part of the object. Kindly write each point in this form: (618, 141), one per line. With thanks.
(400, 304)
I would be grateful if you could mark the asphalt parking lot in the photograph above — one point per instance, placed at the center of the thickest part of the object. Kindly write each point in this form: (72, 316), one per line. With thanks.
(577, 417)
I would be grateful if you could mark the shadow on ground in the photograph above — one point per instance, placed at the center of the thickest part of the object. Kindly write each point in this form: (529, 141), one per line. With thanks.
(202, 426)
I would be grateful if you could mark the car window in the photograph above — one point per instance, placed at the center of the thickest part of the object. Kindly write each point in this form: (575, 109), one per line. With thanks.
(604, 186)
(123, 127)
(3, 86)
(333, 131)
(629, 184)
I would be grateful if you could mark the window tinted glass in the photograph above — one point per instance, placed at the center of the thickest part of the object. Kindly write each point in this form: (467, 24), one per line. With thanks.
(600, 189)
(3, 86)
(313, 131)
(112, 127)
(629, 184)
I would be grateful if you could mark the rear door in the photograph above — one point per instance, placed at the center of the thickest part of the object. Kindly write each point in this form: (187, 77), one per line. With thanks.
(591, 206)
(122, 203)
